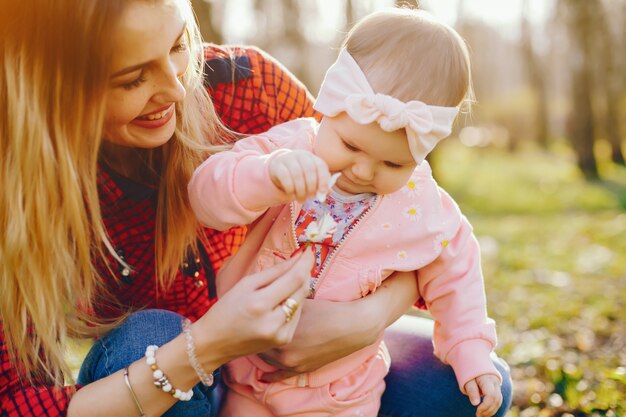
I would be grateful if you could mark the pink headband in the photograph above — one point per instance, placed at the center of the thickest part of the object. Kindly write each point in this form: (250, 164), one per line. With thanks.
(345, 88)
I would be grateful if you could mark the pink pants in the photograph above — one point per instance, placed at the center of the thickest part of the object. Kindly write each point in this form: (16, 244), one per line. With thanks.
(356, 394)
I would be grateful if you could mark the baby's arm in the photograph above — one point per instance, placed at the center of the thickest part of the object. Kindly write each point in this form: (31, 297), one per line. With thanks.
(235, 187)
(452, 287)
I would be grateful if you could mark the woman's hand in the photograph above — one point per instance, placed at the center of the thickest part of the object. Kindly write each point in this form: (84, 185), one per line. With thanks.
(487, 386)
(250, 317)
(328, 330)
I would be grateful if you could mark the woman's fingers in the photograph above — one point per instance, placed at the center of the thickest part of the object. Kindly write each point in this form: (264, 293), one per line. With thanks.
(250, 319)
(287, 279)
(265, 291)
(277, 376)
(274, 273)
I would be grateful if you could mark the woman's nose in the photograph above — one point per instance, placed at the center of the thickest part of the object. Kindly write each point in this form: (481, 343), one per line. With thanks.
(171, 88)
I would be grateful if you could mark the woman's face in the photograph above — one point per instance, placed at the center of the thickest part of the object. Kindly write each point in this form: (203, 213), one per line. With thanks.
(151, 52)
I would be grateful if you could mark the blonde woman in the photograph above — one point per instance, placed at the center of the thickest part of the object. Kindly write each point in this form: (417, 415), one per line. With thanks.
(63, 87)
(75, 74)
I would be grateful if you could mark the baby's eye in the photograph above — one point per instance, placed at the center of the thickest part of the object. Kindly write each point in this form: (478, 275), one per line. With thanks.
(392, 164)
(350, 147)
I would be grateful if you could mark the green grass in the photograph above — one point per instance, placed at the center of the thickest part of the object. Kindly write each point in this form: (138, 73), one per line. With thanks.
(554, 258)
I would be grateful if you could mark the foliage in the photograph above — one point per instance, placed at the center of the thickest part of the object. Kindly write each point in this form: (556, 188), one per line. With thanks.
(554, 257)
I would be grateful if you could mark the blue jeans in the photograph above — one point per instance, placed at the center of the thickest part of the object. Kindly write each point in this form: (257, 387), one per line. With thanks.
(128, 343)
(418, 384)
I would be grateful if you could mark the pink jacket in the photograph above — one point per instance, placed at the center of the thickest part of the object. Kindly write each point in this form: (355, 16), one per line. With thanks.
(419, 228)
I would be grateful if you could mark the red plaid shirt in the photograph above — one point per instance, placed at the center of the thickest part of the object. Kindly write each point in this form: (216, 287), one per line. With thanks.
(251, 92)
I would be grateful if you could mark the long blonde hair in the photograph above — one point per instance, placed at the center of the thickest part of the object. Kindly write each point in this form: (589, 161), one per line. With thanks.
(53, 78)
(54, 65)
(408, 54)
(199, 134)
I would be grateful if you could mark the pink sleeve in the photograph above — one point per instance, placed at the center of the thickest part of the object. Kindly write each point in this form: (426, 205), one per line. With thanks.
(452, 287)
(234, 187)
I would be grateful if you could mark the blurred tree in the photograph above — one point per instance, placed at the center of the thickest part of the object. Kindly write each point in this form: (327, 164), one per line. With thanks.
(206, 12)
(580, 125)
(536, 77)
(350, 14)
(281, 33)
(411, 3)
(612, 81)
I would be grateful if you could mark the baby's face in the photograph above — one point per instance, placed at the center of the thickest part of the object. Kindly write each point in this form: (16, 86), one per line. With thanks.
(369, 159)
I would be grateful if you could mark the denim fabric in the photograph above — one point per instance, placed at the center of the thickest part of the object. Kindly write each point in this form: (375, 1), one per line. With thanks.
(127, 343)
(418, 384)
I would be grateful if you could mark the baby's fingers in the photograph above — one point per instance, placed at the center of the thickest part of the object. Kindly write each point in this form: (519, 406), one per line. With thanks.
(492, 398)
(323, 176)
(281, 177)
(471, 388)
(305, 176)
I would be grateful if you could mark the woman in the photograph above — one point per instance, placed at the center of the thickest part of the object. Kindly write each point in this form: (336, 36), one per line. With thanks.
(56, 86)
(119, 80)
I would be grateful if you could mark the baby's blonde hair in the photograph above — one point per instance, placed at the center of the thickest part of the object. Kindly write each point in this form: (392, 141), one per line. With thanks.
(409, 55)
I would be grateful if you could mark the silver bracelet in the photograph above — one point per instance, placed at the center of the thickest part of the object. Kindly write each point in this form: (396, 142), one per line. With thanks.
(132, 393)
(160, 379)
(205, 378)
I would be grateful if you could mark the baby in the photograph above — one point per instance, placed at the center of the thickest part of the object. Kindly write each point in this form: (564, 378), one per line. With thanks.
(390, 97)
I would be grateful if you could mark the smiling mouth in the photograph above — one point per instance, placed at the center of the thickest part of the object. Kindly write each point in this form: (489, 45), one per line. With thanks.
(155, 120)
(155, 116)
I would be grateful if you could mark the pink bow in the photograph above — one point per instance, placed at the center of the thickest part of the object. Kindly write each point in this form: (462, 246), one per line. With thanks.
(390, 113)
(345, 88)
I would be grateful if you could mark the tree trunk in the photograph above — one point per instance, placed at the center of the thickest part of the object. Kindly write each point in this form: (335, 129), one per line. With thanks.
(581, 124)
(295, 38)
(350, 17)
(536, 79)
(205, 10)
(411, 3)
(612, 86)
(580, 120)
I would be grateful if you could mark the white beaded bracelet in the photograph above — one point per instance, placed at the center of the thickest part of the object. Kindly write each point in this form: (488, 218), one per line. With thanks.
(160, 379)
(205, 378)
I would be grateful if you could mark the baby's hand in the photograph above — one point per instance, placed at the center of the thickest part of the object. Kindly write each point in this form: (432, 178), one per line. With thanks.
(487, 386)
(299, 174)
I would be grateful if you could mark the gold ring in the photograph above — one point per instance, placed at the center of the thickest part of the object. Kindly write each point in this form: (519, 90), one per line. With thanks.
(291, 303)
(289, 307)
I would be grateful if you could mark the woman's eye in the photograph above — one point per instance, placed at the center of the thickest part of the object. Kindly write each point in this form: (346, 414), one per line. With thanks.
(134, 83)
(181, 47)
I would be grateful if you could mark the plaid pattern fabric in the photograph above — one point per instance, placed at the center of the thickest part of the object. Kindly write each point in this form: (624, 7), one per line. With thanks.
(263, 96)
(251, 92)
